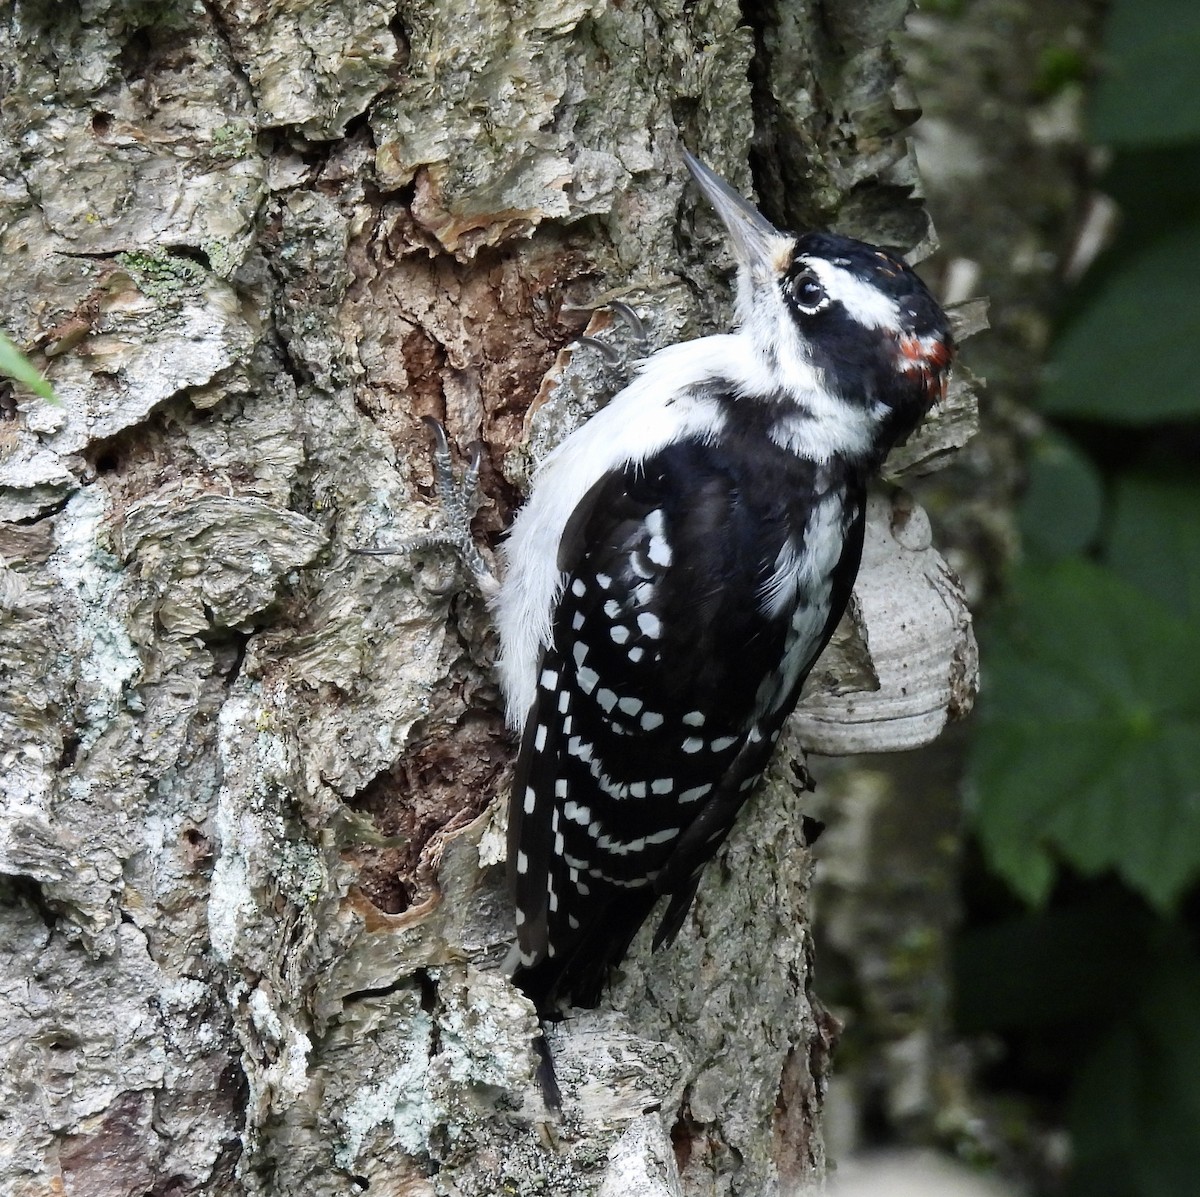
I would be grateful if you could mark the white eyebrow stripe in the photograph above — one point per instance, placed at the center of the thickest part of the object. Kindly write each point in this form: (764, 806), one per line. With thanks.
(864, 303)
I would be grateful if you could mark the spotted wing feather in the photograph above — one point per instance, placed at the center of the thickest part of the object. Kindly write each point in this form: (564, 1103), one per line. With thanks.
(680, 642)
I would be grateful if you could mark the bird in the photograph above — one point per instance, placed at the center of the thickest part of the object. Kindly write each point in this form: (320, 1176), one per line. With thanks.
(679, 565)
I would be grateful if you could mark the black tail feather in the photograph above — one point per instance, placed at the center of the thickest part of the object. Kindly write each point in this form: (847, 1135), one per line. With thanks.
(546, 1078)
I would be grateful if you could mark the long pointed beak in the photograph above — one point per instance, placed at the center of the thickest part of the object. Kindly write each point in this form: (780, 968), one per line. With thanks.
(758, 244)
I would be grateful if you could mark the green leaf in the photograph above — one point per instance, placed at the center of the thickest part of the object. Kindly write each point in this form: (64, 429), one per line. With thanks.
(1155, 189)
(1060, 513)
(1154, 542)
(1088, 748)
(15, 365)
(1130, 355)
(1147, 93)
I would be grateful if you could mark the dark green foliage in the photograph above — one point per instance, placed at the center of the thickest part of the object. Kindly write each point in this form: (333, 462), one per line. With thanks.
(1064, 499)
(1154, 539)
(1147, 94)
(1087, 757)
(1130, 357)
(1089, 746)
(1135, 1110)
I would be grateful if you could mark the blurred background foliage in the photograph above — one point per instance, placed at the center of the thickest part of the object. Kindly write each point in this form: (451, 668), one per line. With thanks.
(1083, 943)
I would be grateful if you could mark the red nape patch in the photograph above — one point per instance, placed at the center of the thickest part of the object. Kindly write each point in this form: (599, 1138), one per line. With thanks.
(927, 352)
(927, 357)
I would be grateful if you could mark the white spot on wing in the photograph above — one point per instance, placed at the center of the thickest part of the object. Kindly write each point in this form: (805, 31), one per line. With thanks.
(659, 551)
(579, 749)
(619, 847)
(650, 624)
(692, 744)
(665, 836)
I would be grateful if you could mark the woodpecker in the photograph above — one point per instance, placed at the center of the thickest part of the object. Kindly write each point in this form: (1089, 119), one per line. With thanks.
(681, 562)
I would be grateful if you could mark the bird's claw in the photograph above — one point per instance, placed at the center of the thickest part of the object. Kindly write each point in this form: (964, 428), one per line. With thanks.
(458, 499)
(638, 342)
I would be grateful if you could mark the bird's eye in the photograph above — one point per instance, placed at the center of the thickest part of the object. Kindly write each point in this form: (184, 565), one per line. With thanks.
(807, 293)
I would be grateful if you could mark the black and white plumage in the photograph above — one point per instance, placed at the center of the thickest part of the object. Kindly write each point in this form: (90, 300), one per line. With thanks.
(682, 561)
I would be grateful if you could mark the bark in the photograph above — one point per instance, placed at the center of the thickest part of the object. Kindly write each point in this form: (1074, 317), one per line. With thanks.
(250, 902)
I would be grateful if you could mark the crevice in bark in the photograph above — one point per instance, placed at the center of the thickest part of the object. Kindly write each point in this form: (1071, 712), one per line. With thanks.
(362, 995)
(686, 1132)
(226, 29)
(228, 647)
(440, 784)
(43, 514)
(16, 890)
(398, 28)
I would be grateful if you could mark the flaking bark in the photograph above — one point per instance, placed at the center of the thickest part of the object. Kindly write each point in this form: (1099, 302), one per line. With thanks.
(250, 912)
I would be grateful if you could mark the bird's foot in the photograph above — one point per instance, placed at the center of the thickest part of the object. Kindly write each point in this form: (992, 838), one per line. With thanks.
(633, 346)
(458, 499)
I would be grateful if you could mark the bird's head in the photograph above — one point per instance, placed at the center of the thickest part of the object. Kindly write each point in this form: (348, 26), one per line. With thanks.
(833, 313)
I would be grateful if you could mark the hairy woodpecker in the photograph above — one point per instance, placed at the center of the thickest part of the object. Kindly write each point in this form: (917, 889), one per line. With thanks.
(681, 562)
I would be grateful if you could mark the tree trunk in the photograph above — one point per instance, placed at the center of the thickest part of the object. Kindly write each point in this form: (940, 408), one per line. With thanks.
(250, 908)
